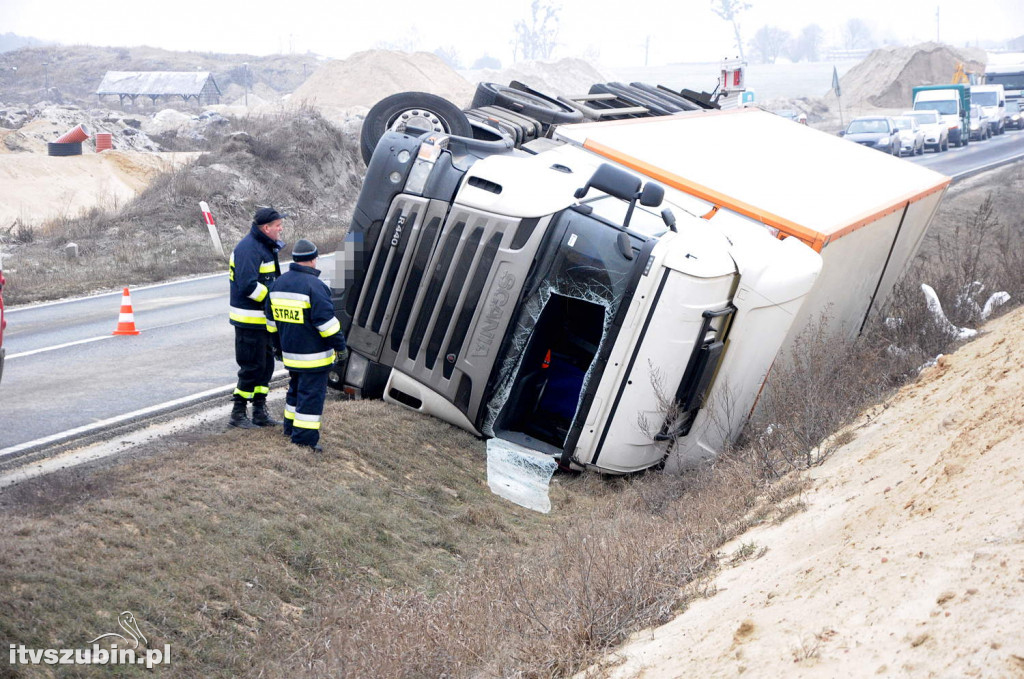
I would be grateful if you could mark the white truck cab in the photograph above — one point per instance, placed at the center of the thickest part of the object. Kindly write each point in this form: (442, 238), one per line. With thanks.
(617, 291)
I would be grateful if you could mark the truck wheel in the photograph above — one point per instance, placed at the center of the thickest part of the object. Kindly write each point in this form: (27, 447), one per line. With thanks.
(411, 110)
(525, 102)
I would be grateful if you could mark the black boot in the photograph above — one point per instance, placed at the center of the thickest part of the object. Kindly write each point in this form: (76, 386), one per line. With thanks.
(260, 416)
(238, 417)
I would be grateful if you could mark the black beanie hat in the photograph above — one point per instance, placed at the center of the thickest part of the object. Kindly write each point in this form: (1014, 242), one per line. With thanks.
(266, 215)
(304, 251)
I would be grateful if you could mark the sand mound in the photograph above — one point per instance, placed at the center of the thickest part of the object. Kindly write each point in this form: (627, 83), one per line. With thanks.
(563, 77)
(367, 77)
(909, 558)
(885, 79)
(35, 187)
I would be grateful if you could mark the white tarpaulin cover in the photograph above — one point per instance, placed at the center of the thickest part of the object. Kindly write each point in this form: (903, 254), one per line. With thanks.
(804, 182)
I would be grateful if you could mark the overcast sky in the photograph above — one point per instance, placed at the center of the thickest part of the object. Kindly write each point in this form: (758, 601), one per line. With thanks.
(609, 32)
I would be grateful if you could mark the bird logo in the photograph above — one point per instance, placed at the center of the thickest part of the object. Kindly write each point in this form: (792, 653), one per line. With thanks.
(127, 622)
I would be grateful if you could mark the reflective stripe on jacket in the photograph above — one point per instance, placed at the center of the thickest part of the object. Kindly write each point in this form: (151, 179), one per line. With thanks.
(302, 314)
(252, 269)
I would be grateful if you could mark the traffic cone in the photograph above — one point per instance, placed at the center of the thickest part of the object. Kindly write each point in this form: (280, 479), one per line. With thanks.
(126, 320)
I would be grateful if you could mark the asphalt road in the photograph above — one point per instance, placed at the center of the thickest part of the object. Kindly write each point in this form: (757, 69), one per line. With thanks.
(66, 372)
(976, 156)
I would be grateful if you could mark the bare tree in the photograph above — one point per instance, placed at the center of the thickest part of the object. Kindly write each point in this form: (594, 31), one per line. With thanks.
(730, 10)
(857, 34)
(535, 38)
(807, 45)
(769, 42)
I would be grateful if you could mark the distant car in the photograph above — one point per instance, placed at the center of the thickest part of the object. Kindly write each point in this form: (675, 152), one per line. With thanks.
(1012, 116)
(3, 324)
(787, 113)
(981, 124)
(911, 136)
(936, 132)
(877, 132)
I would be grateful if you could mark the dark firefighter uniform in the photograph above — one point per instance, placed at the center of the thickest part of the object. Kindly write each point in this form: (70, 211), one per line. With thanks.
(310, 338)
(253, 268)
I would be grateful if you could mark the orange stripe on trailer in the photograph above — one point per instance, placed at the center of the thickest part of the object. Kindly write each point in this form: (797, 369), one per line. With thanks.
(903, 203)
(812, 238)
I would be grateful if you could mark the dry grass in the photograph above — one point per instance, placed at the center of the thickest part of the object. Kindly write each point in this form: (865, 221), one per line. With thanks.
(389, 557)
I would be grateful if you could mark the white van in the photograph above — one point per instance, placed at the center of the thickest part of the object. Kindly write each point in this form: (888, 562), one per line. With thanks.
(992, 100)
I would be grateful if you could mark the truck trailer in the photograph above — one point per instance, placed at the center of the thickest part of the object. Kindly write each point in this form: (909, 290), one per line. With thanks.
(614, 292)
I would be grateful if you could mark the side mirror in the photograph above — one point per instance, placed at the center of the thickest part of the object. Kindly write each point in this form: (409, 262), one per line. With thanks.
(613, 181)
(669, 219)
(652, 195)
(895, 129)
(842, 133)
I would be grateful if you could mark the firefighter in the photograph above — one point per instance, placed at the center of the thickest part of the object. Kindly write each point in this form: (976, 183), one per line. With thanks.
(309, 338)
(253, 269)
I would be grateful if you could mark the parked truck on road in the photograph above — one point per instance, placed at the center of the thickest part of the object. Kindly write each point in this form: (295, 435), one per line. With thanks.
(1008, 74)
(614, 292)
(953, 102)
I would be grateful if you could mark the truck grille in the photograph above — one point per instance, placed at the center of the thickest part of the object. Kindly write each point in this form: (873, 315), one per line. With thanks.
(425, 282)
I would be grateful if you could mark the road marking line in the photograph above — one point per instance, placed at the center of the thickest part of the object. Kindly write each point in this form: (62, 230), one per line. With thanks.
(87, 428)
(94, 339)
(154, 286)
(59, 346)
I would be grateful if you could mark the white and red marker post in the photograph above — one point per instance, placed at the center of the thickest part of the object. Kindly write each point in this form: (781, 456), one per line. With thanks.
(212, 226)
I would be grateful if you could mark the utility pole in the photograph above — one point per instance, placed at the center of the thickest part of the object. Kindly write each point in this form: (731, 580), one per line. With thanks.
(647, 49)
(46, 76)
(937, 24)
(245, 77)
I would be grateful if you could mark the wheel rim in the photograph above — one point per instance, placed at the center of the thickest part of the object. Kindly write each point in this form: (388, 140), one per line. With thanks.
(418, 118)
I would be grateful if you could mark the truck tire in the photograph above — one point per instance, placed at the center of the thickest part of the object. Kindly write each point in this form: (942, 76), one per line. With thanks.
(526, 102)
(656, 105)
(531, 128)
(55, 148)
(668, 96)
(416, 110)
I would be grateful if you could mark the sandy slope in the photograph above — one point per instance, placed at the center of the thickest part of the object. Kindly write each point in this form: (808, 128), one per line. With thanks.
(36, 187)
(909, 558)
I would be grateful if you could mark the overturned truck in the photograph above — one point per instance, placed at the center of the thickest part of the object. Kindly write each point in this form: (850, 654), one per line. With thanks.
(613, 293)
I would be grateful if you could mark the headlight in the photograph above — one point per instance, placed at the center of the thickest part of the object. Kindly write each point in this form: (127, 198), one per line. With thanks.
(355, 374)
